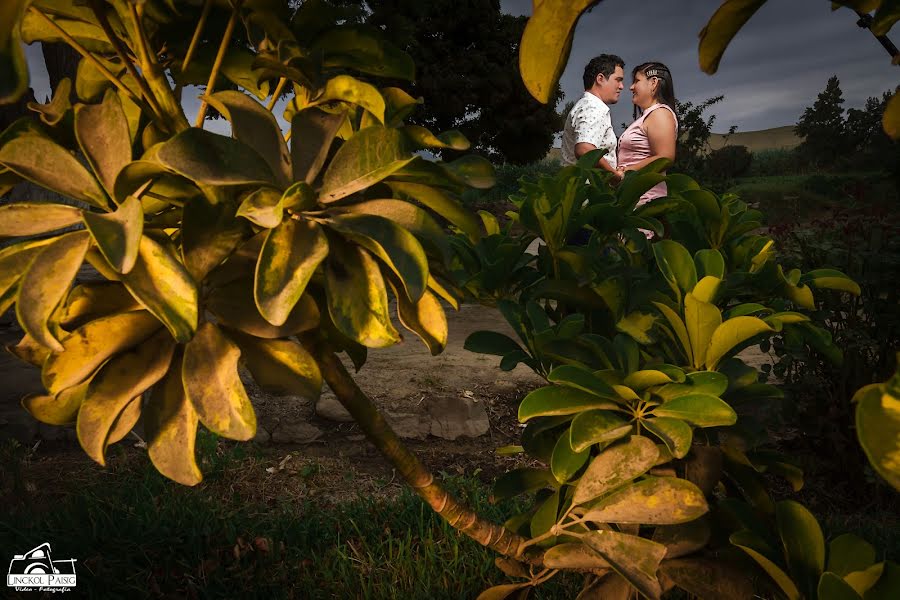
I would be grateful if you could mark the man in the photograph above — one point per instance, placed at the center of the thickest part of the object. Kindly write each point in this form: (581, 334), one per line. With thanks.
(589, 125)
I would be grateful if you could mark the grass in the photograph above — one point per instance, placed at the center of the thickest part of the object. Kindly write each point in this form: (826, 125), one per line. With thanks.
(138, 535)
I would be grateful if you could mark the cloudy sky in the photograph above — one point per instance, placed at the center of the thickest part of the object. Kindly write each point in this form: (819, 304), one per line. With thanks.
(771, 71)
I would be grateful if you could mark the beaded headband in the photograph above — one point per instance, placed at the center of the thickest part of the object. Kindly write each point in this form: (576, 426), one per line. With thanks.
(656, 72)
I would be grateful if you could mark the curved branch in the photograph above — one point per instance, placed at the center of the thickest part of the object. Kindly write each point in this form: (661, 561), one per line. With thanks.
(411, 468)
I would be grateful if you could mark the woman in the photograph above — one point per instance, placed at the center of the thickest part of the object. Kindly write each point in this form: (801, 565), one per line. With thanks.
(655, 129)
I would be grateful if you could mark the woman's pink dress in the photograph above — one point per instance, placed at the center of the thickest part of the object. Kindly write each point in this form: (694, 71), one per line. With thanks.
(634, 146)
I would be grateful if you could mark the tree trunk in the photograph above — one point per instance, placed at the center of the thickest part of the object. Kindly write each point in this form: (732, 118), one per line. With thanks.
(411, 468)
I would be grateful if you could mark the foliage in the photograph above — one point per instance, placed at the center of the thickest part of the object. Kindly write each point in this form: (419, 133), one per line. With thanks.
(728, 162)
(465, 56)
(695, 129)
(822, 126)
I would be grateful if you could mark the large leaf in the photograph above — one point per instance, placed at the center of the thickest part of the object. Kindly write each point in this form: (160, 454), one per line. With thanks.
(102, 132)
(701, 320)
(616, 466)
(555, 400)
(46, 163)
(676, 265)
(209, 234)
(344, 88)
(364, 49)
(581, 379)
(397, 247)
(118, 234)
(573, 556)
(887, 14)
(425, 318)
(213, 385)
(357, 297)
(364, 160)
(848, 553)
(290, 255)
(34, 218)
(165, 288)
(491, 342)
(46, 283)
(878, 429)
(722, 26)
(442, 203)
(212, 159)
(565, 462)
(281, 366)
(89, 346)
(409, 216)
(709, 579)
(679, 328)
(13, 68)
(520, 481)
(674, 433)
(634, 558)
(546, 42)
(891, 119)
(654, 501)
(746, 541)
(255, 126)
(804, 545)
(701, 410)
(57, 409)
(234, 306)
(122, 379)
(170, 422)
(731, 333)
(263, 207)
(597, 427)
(312, 132)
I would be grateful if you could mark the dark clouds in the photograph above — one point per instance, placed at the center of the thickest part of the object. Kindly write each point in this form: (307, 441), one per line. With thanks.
(771, 71)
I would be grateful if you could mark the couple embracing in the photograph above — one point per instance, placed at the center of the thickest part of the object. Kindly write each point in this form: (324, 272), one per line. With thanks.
(653, 133)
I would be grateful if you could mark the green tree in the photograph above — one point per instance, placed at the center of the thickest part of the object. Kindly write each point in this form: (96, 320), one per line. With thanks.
(695, 129)
(467, 72)
(823, 128)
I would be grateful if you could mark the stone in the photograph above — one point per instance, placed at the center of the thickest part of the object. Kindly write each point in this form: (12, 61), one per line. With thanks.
(329, 407)
(296, 433)
(409, 425)
(457, 416)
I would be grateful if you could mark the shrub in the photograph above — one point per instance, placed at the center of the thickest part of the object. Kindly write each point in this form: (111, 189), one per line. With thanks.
(728, 162)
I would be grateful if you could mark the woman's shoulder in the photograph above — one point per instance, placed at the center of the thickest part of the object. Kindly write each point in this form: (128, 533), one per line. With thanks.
(654, 115)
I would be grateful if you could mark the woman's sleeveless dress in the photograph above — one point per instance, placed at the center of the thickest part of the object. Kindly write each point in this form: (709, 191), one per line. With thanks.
(634, 146)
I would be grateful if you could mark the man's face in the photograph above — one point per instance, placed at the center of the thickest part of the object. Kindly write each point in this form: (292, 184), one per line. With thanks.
(610, 88)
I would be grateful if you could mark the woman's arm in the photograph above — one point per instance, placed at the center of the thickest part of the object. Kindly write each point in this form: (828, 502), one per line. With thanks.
(661, 132)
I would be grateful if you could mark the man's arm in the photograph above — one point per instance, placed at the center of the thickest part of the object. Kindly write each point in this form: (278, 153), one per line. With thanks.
(582, 148)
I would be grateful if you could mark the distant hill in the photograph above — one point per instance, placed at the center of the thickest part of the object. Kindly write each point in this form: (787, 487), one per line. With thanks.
(765, 139)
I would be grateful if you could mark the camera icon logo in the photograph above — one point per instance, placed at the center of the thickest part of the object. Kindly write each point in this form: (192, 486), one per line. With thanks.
(35, 569)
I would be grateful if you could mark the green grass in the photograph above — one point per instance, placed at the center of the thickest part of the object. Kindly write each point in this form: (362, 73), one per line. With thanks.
(135, 534)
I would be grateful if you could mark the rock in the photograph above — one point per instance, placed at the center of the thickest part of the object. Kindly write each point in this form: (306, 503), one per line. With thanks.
(262, 435)
(329, 407)
(296, 433)
(409, 425)
(457, 416)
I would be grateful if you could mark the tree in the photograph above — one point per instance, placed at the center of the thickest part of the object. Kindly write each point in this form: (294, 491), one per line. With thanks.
(695, 129)
(822, 126)
(467, 71)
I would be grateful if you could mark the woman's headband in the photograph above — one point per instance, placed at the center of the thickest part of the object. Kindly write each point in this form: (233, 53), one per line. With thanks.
(656, 72)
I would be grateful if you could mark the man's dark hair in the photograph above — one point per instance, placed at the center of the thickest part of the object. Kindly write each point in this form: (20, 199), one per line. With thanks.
(605, 63)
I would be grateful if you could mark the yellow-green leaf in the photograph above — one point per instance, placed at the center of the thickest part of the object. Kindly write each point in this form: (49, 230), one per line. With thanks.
(344, 88)
(89, 346)
(425, 318)
(546, 42)
(729, 334)
(573, 556)
(312, 132)
(440, 202)
(208, 158)
(39, 159)
(171, 423)
(366, 50)
(165, 288)
(597, 427)
(701, 320)
(125, 422)
(397, 247)
(122, 379)
(722, 27)
(290, 255)
(93, 300)
(102, 132)
(234, 306)
(706, 288)
(357, 297)
(425, 139)
(581, 379)
(878, 429)
(554, 400)
(118, 234)
(654, 501)
(213, 385)
(263, 206)
(255, 126)
(362, 161)
(891, 118)
(634, 558)
(409, 216)
(281, 366)
(743, 540)
(33, 218)
(499, 592)
(674, 433)
(884, 18)
(848, 553)
(804, 544)
(13, 67)
(679, 328)
(209, 234)
(616, 466)
(565, 462)
(641, 380)
(46, 283)
(58, 409)
(638, 325)
(701, 410)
